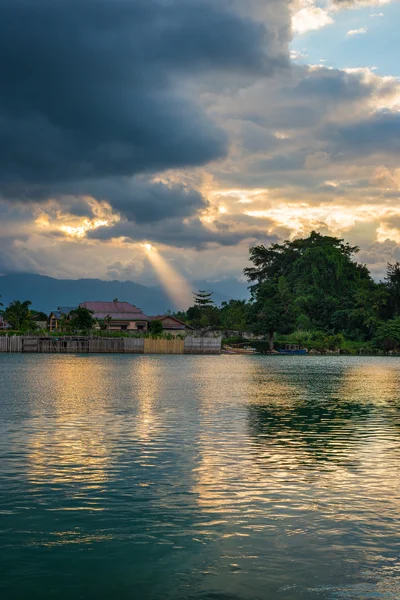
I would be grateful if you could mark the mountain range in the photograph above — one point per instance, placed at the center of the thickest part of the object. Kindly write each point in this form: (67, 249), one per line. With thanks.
(47, 293)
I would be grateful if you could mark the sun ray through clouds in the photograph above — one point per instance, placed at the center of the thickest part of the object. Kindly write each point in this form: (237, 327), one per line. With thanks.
(173, 282)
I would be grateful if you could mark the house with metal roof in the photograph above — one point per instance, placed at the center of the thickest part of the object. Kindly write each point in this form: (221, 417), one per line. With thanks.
(56, 316)
(172, 325)
(118, 316)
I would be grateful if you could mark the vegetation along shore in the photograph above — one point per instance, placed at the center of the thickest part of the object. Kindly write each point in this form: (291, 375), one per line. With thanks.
(310, 292)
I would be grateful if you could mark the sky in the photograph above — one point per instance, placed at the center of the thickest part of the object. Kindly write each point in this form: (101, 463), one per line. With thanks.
(195, 129)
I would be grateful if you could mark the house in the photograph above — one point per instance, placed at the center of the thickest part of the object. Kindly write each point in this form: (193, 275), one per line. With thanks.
(3, 324)
(56, 316)
(172, 324)
(123, 316)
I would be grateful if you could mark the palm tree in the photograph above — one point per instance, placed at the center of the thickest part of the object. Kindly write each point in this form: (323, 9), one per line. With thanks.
(107, 321)
(18, 315)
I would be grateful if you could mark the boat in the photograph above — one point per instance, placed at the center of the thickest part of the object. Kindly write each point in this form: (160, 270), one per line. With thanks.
(293, 350)
(238, 349)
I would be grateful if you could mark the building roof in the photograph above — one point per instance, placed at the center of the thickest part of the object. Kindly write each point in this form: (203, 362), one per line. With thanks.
(118, 311)
(65, 310)
(179, 324)
(56, 314)
(62, 310)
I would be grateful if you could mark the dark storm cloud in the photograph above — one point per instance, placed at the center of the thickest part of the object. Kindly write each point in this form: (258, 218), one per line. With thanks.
(190, 233)
(379, 133)
(332, 85)
(136, 198)
(144, 201)
(92, 88)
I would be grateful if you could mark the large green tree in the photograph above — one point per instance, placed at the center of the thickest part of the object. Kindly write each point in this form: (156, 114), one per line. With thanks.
(81, 319)
(233, 315)
(19, 316)
(320, 272)
(392, 281)
(272, 310)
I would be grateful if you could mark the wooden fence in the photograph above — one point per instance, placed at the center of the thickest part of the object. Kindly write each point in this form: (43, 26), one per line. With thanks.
(154, 346)
(89, 345)
(10, 344)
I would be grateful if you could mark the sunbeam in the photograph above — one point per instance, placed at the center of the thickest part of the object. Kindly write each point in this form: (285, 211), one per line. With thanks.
(174, 284)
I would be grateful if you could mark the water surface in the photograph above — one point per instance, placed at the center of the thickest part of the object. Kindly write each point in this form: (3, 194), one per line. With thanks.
(199, 478)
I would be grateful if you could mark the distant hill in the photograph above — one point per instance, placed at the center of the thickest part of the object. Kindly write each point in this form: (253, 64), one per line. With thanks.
(47, 293)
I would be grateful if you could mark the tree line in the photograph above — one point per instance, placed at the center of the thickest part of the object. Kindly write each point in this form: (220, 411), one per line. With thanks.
(310, 291)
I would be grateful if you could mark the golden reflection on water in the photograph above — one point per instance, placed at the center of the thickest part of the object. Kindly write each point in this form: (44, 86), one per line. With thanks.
(66, 446)
(224, 460)
(296, 442)
(145, 376)
(375, 382)
(61, 453)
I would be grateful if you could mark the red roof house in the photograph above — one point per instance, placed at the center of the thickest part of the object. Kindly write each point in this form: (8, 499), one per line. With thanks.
(124, 316)
(171, 324)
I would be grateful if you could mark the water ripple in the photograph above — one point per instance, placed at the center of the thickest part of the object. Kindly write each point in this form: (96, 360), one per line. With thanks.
(199, 477)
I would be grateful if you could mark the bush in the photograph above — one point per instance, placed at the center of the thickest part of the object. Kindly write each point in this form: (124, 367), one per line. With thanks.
(234, 340)
(387, 335)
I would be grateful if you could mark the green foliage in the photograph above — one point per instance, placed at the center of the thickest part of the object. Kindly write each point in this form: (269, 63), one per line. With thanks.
(393, 287)
(80, 319)
(156, 328)
(233, 315)
(19, 316)
(38, 315)
(319, 271)
(236, 339)
(202, 298)
(204, 313)
(107, 321)
(387, 335)
(272, 309)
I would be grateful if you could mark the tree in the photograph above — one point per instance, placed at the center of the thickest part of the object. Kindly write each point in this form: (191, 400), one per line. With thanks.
(107, 322)
(38, 315)
(203, 313)
(392, 281)
(156, 327)
(319, 271)
(233, 315)
(387, 335)
(81, 319)
(272, 310)
(19, 316)
(203, 299)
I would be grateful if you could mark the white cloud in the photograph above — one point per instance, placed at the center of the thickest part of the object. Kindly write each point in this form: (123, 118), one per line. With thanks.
(298, 55)
(376, 15)
(360, 31)
(310, 18)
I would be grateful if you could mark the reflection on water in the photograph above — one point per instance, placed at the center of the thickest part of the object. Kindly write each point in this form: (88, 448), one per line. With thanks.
(199, 477)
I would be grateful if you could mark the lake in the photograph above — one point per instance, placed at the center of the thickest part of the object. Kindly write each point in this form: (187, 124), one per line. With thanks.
(199, 477)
